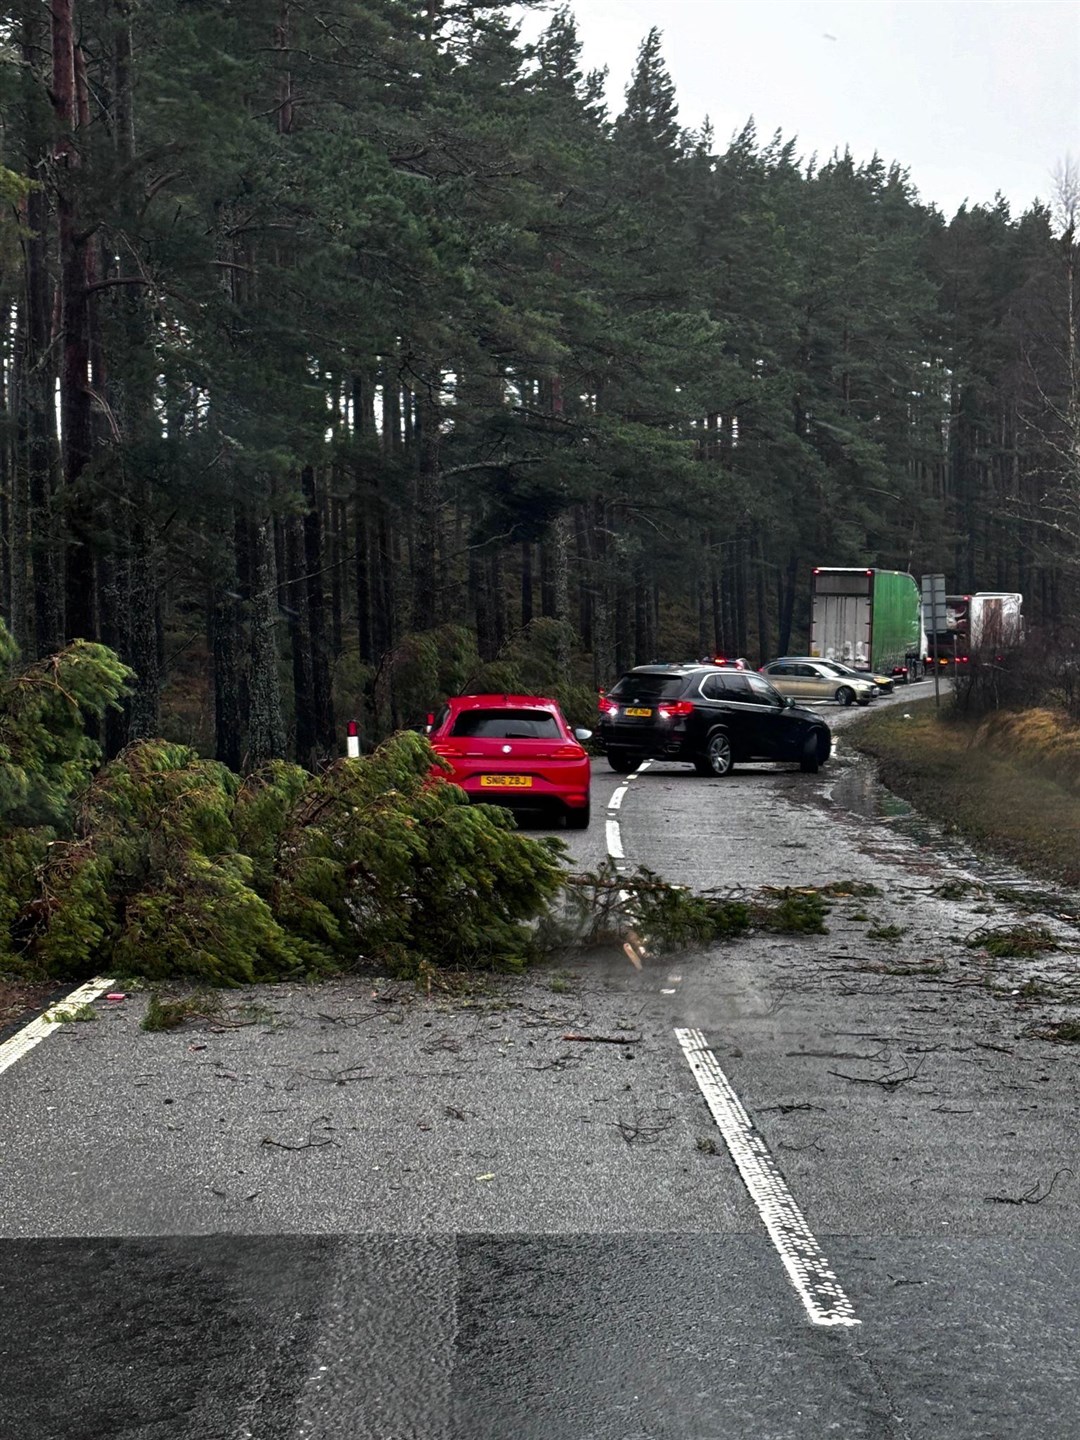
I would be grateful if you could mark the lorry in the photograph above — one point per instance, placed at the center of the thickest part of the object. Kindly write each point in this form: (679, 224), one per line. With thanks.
(871, 619)
(985, 625)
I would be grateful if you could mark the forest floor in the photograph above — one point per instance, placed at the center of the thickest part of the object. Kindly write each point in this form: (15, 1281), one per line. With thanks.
(1009, 784)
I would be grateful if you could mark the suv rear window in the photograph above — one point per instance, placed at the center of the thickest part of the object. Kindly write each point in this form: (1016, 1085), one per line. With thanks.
(649, 687)
(507, 725)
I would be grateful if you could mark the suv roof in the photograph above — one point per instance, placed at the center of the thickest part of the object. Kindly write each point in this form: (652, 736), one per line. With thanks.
(674, 667)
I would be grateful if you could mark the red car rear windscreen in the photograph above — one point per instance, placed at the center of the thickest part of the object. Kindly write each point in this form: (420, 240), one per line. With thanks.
(507, 725)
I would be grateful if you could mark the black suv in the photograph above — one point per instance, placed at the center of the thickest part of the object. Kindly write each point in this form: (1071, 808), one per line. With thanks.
(708, 716)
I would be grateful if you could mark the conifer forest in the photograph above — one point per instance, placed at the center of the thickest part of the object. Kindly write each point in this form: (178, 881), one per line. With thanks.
(357, 353)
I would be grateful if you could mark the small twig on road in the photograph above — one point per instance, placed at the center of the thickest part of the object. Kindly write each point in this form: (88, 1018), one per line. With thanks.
(1029, 1197)
(606, 1039)
(308, 1144)
(891, 1081)
(787, 1109)
(349, 1019)
(632, 1130)
(986, 1045)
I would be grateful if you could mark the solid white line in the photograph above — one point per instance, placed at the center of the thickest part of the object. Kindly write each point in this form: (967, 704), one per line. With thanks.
(24, 1040)
(803, 1258)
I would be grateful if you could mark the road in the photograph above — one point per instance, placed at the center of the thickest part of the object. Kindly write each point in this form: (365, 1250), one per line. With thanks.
(798, 1186)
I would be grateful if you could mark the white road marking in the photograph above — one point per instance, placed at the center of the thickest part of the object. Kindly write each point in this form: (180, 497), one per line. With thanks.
(24, 1040)
(802, 1257)
(634, 948)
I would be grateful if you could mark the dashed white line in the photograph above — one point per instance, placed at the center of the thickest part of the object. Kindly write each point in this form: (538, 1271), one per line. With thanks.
(614, 835)
(24, 1040)
(802, 1257)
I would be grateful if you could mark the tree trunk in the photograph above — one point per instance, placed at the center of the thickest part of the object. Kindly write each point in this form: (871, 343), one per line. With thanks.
(75, 413)
(762, 607)
(560, 592)
(427, 515)
(787, 603)
(38, 387)
(303, 696)
(526, 584)
(225, 631)
(322, 700)
(266, 723)
(131, 601)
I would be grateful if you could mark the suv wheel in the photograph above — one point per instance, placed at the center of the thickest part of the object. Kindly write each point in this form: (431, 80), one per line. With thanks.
(845, 695)
(717, 759)
(621, 761)
(810, 760)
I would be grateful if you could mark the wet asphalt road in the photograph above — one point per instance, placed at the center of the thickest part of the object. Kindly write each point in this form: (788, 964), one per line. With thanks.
(359, 1212)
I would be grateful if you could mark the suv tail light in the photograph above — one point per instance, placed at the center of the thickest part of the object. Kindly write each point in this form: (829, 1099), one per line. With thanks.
(671, 710)
(606, 706)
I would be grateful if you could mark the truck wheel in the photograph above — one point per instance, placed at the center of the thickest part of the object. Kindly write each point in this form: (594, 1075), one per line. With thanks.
(718, 759)
(845, 695)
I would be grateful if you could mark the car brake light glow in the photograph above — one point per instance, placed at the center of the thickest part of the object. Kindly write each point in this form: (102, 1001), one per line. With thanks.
(606, 706)
(671, 710)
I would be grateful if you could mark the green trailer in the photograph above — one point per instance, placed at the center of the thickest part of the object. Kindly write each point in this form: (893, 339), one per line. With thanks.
(871, 619)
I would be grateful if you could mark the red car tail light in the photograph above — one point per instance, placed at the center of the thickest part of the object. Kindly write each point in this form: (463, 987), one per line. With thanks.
(568, 752)
(672, 709)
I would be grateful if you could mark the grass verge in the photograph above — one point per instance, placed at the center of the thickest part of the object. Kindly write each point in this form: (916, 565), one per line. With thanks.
(1008, 783)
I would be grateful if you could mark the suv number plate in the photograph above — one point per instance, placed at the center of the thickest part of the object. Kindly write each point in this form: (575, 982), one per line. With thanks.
(637, 714)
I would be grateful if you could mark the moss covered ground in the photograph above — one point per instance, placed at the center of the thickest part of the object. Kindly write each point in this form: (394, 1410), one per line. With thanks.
(1008, 783)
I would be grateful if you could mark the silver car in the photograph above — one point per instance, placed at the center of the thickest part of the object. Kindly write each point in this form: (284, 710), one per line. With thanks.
(814, 680)
(883, 684)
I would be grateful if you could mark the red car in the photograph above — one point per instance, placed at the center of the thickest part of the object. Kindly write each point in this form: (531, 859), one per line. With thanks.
(515, 750)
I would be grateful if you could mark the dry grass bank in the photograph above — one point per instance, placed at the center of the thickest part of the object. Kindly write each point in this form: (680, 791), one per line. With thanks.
(1009, 783)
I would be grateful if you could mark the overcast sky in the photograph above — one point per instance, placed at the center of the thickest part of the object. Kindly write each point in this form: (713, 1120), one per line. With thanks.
(971, 96)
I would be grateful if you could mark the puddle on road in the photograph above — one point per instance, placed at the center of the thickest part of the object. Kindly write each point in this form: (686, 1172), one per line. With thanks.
(858, 791)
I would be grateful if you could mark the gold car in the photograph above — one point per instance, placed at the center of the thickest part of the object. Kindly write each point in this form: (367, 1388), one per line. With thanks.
(814, 680)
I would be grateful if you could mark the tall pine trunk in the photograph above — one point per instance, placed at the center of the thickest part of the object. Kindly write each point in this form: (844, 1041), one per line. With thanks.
(322, 701)
(75, 413)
